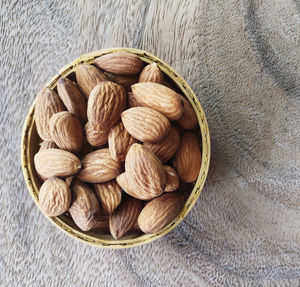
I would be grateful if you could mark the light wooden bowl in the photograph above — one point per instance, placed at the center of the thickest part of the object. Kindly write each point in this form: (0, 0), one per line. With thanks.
(30, 145)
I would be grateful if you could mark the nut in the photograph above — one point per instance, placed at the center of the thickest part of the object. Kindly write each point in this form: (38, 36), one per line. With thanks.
(94, 136)
(145, 175)
(188, 158)
(66, 131)
(160, 211)
(188, 119)
(125, 81)
(160, 98)
(47, 145)
(119, 142)
(47, 104)
(172, 182)
(56, 162)
(109, 194)
(151, 73)
(146, 124)
(120, 63)
(54, 196)
(98, 166)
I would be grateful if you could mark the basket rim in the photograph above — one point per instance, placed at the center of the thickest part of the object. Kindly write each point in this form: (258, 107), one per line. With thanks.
(205, 162)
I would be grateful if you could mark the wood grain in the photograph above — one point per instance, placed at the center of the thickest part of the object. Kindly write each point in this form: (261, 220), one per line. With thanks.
(242, 59)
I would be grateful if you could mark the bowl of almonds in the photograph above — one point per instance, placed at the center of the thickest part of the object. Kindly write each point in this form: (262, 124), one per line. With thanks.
(116, 148)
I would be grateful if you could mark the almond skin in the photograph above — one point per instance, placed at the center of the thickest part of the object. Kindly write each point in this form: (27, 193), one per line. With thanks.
(167, 148)
(172, 182)
(109, 194)
(120, 63)
(85, 206)
(72, 98)
(119, 142)
(98, 167)
(54, 196)
(47, 104)
(69, 180)
(160, 98)
(123, 183)
(55, 162)
(187, 160)
(145, 174)
(124, 217)
(96, 138)
(132, 101)
(160, 211)
(105, 105)
(146, 124)
(66, 131)
(101, 224)
(125, 81)
(188, 119)
(151, 73)
(88, 76)
(47, 145)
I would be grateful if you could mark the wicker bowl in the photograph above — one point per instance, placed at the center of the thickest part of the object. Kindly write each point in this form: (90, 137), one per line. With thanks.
(31, 140)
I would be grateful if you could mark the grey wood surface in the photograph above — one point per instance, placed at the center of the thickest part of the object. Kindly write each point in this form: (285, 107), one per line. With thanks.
(242, 60)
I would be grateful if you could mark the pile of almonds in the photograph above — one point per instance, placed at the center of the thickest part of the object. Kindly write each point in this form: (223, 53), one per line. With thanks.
(109, 141)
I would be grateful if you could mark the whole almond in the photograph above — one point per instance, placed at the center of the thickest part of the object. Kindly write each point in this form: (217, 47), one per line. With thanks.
(125, 81)
(119, 142)
(172, 182)
(145, 173)
(56, 162)
(66, 131)
(160, 98)
(109, 194)
(101, 224)
(120, 63)
(47, 104)
(95, 137)
(160, 211)
(123, 183)
(98, 167)
(105, 105)
(187, 160)
(151, 73)
(88, 76)
(72, 98)
(146, 124)
(47, 145)
(54, 196)
(188, 120)
(132, 101)
(85, 206)
(166, 148)
(124, 217)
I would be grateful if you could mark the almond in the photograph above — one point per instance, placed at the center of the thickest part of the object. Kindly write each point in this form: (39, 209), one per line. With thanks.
(119, 142)
(86, 148)
(123, 183)
(47, 145)
(105, 105)
(54, 196)
(95, 137)
(56, 162)
(188, 158)
(165, 149)
(146, 176)
(85, 206)
(72, 98)
(146, 124)
(88, 76)
(69, 180)
(160, 98)
(160, 211)
(124, 217)
(172, 182)
(47, 104)
(120, 63)
(109, 194)
(101, 224)
(151, 73)
(125, 81)
(132, 101)
(66, 131)
(98, 167)
(188, 120)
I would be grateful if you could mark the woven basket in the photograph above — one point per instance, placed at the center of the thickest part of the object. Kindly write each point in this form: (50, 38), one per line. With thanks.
(30, 145)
